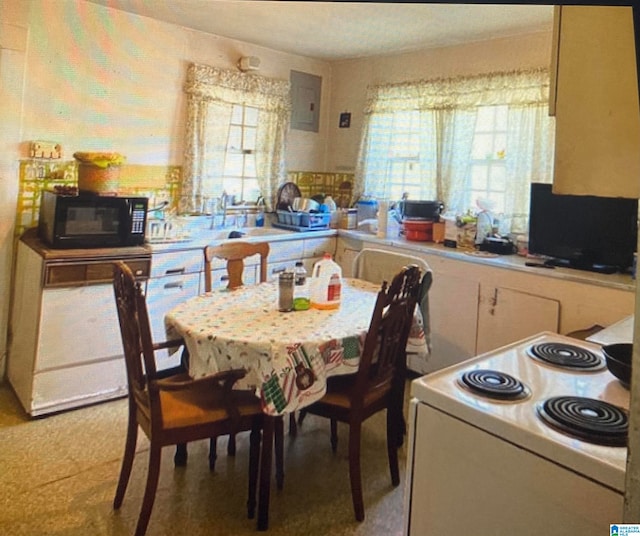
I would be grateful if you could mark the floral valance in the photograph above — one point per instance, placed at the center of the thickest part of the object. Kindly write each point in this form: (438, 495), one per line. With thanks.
(207, 83)
(516, 88)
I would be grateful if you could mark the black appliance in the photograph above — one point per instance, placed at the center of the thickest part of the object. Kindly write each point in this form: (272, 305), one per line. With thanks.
(429, 210)
(91, 221)
(583, 231)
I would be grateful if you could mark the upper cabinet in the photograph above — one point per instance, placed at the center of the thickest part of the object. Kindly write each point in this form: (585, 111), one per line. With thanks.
(594, 96)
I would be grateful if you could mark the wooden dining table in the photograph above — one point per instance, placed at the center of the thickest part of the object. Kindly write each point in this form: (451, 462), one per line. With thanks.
(288, 356)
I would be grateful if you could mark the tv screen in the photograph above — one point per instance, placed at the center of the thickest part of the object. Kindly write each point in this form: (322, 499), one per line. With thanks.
(584, 232)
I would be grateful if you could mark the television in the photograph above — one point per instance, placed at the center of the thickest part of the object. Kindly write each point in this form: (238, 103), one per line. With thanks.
(592, 233)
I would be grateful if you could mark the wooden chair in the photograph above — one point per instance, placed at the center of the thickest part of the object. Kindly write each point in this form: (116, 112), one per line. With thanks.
(379, 382)
(176, 409)
(234, 253)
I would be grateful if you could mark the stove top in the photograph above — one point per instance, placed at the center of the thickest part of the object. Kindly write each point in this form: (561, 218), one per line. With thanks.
(580, 374)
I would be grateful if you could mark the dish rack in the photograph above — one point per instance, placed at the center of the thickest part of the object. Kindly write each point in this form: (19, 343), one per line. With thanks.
(302, 221)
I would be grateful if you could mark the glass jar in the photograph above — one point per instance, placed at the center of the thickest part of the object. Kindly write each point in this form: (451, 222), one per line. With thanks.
(285, 291)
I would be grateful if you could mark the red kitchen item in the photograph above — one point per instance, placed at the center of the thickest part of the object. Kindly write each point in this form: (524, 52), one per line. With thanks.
(418, 230)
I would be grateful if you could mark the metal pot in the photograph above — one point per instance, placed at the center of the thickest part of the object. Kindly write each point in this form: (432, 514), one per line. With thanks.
(618, 358)
(429, 210)
(305, 204)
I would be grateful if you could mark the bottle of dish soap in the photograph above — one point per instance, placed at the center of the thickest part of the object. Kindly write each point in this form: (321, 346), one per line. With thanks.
(326, 284)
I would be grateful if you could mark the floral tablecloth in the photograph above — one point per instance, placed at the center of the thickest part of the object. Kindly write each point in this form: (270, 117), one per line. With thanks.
(287, 356)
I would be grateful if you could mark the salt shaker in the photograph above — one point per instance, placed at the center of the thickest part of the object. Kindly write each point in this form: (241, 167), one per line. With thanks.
(285, 291)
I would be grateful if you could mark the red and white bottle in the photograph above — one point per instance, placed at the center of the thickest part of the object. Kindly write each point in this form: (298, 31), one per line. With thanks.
(326, 284)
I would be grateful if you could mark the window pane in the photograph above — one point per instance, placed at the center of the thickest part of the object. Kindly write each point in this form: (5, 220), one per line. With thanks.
(249, 165)
(250, 116)
(479, 177)
(249, 139)
(251, 190)
(499, 145)
(498, 181)
(482, 146)
(501, 117)
(233, 165)
(236, 114)
(234, 141)
(484, 119)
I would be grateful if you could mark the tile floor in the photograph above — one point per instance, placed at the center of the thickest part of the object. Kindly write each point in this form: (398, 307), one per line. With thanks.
(58, 476)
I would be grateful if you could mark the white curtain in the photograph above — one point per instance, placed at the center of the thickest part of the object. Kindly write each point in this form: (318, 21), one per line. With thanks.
(447, 110)
(211, 94)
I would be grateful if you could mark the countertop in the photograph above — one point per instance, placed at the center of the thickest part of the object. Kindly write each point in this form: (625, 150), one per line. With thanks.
(200, 236)
(508, 262)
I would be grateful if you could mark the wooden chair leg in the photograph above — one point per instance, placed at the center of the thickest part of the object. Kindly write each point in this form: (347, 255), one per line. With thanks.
(278, 441)
(394, 432)
(254, 463)
(293, 427)
(127, 462)
(301, 417)
(354, 470)
(153, 473)
(180, 457)
(213, 446)
(231, 445)
(334, 435)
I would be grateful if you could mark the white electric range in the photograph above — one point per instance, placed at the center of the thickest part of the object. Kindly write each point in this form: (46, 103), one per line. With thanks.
(529, 439)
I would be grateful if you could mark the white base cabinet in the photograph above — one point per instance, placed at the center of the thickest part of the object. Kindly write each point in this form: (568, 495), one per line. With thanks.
(476, 307)
(65, 349)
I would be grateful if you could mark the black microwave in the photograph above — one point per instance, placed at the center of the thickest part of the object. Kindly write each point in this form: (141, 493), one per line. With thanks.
(91, 221)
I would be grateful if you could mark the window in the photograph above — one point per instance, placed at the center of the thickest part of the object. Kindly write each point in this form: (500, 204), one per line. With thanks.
(239, 174)
(487, 175)
(235, 135)
(459, 140)
(404, 155)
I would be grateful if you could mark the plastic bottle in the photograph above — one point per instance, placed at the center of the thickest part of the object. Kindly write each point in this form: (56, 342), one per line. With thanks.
(260, 218)
(326, 284)
(383, 215)
(301, 289)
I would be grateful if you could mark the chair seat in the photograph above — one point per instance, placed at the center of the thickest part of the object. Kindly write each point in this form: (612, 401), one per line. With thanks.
(340, 393)
(199, 406)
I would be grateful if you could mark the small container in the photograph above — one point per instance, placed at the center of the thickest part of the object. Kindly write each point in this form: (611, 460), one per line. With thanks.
(367, 209)
(349, 218)
(301, 287)
(285, 291)
(418, 230)
(260, 218)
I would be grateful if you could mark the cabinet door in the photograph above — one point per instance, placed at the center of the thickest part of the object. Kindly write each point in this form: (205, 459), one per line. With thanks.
(597, 113)
(78, 325)
(507, 315)
(453, 314)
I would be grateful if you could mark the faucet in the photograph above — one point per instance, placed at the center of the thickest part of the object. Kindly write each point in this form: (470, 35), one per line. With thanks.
(222, 203)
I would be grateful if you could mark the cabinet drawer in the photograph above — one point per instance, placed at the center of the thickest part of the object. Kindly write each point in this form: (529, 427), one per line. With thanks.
(286, 250)
(81, 273)
(316, 247)
(177, 262)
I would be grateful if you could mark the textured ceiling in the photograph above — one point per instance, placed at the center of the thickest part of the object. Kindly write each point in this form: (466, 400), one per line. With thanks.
(341, 30)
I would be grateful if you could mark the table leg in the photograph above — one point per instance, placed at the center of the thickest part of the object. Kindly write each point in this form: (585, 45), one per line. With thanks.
(266, 458)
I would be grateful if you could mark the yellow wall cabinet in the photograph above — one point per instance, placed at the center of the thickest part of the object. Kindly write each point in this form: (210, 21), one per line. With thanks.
(594, 96)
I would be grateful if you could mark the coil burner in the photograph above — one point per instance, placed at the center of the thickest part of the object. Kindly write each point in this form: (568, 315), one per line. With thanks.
(592, 420)
(494, 384)
(567, 356)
